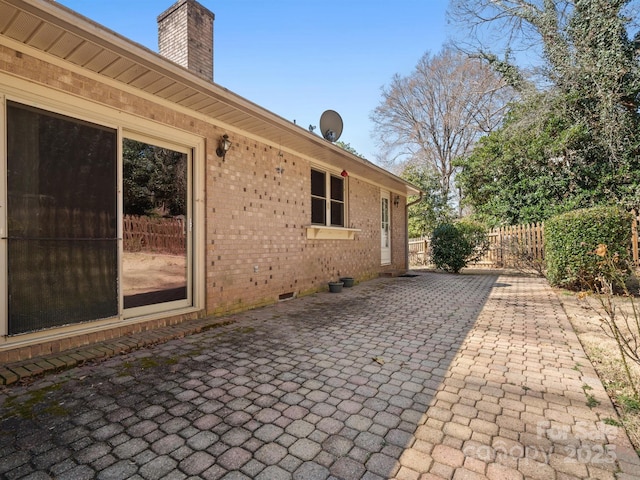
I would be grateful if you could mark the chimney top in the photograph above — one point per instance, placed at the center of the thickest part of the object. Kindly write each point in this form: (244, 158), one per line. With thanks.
(185, 36)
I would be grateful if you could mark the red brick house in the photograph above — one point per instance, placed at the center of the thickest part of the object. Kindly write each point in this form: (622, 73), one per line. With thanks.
(138, 193)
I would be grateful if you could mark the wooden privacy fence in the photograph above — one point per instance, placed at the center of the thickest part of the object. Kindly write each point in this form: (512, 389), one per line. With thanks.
(419, 252)
(166, 235)
(518, 246)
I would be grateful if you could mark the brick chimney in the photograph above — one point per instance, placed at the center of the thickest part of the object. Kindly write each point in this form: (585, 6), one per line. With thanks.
(185, 36)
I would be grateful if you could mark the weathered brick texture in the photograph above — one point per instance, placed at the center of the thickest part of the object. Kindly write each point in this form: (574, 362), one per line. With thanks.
(256, 242)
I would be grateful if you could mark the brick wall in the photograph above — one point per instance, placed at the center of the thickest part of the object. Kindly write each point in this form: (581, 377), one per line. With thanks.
(185, 36)
(257, 219)
(255, 216)
(399, 247)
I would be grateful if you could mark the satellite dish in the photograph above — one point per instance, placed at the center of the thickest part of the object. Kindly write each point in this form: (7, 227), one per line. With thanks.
(331, 125)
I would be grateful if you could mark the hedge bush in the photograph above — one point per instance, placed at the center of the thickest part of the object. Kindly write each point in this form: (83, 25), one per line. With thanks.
(454, 245)
(570, 240)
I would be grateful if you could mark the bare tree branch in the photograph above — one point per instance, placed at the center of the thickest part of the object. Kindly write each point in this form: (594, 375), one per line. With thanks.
(437, 113)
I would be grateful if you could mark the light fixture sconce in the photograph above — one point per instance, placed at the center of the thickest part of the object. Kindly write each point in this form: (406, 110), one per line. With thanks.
(223, 146)
(396, 200)
(344, 173)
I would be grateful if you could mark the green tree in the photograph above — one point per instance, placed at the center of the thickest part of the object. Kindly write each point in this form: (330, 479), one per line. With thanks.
(432, 209)
(572, 141)
(153, 178)
(535, 167)
(348, 148)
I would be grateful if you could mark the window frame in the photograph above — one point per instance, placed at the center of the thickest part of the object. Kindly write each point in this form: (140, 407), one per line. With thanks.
(159, 307)
(328, 199)
(327, 230)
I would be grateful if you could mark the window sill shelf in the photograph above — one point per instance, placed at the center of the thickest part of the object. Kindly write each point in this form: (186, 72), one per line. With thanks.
(320, 232)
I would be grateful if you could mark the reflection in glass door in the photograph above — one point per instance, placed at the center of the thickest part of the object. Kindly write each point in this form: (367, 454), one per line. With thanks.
(156, 215)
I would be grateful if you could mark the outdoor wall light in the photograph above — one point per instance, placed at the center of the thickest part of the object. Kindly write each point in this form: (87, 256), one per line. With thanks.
(396, 200)
(223, 146)
(344, 173)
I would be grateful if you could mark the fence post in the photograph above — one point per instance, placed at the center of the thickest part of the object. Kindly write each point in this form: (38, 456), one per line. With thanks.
(425, 251)
(500, 247)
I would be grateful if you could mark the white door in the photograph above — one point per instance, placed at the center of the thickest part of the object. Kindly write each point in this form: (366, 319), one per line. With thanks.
(385, 236)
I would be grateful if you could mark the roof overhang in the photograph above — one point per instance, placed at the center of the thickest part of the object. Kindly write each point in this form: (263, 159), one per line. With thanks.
(48, 27)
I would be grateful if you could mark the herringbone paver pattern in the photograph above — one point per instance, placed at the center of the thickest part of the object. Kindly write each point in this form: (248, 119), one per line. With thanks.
(437, 376)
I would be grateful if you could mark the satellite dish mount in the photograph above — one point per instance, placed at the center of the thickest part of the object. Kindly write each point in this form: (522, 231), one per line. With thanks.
(331, 125)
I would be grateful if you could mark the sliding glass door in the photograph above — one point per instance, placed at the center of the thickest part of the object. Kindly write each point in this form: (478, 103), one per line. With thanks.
(98, 222)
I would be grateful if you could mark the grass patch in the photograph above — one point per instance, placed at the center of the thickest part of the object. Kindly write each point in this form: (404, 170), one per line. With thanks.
(591, 401)
(148, 362)
(36, 402)
(130, 367)
(605, 358)
(630, 404)
(125, 370)
(611, 421)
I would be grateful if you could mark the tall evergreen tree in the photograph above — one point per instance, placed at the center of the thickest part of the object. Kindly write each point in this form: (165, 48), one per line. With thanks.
(575, 133)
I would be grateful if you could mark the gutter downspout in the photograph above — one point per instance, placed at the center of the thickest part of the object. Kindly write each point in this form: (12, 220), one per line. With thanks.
(406, 234)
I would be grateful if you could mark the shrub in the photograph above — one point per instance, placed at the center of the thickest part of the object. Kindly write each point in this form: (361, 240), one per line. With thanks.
(571, 239)
(454, 245)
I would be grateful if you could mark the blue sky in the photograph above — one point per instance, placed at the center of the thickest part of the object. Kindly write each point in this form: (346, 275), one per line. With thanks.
(298, 58)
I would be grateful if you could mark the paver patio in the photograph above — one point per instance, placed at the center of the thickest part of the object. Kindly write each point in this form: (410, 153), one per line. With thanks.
(434, 376)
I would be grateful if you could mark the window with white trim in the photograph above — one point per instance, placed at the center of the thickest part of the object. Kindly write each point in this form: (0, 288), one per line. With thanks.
(327, 199)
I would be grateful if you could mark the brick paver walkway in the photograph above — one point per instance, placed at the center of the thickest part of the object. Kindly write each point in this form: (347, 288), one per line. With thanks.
(436, 376)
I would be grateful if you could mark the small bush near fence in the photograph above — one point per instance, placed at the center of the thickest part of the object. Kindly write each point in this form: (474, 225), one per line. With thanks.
(518, 247)
(571, 239)
(455, 245)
